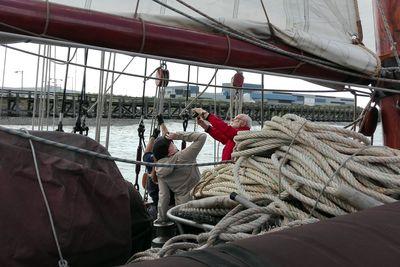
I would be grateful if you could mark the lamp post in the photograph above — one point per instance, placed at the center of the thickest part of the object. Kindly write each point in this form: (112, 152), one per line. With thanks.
(22, 77)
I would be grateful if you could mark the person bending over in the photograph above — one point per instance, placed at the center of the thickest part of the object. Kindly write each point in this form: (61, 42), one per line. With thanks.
(221, 131)
(149, 179)
(180, 180)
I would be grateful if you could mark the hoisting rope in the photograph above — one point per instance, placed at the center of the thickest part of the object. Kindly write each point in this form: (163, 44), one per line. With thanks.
(141, 130)
(61, 116)
(185, 115)
(80, 125)
(162, 74)
(138, 166)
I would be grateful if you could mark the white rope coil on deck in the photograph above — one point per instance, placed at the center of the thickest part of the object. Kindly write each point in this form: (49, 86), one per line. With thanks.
(297, 172)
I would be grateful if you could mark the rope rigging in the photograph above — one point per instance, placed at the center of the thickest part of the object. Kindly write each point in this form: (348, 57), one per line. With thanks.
(63, 104)
(162, 80)
(185, 115)
(141, 130)
(346, 86)
(80, 125)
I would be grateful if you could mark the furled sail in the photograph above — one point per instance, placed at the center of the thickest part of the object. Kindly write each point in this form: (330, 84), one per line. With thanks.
(329, 29)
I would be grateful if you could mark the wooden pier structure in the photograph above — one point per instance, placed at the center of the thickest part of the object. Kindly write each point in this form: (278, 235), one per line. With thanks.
(17, 103)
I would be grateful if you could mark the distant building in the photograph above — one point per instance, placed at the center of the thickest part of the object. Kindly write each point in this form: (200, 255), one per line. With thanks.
(272, 97)
(180, 91)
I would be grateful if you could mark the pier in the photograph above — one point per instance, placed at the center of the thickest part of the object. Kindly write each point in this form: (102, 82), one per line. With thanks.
(17, 103)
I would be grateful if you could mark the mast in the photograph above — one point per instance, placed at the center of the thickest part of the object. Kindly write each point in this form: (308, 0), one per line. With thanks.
(387, 27)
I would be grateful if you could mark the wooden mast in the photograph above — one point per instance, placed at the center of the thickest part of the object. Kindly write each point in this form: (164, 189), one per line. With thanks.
(389, 103)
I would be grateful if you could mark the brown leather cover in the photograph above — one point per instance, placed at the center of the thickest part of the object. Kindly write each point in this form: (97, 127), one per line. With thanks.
(88, 198)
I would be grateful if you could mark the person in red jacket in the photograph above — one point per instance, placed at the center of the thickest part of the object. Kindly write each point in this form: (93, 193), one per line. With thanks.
(221, 131)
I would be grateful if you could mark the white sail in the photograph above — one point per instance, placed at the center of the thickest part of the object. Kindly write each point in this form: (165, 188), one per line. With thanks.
(324, 28)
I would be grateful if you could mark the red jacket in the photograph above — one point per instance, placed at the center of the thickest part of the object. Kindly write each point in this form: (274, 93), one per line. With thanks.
(223, 133)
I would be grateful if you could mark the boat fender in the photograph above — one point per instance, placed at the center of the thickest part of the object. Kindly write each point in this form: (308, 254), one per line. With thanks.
(162, 77)
(356, 198)
(238, 79)
(369, 121)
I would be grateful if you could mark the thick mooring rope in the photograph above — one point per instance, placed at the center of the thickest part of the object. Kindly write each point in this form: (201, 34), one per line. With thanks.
(297, 172)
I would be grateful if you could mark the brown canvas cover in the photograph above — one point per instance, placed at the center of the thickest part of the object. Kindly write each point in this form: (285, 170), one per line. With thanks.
(91, 203)
(367, 238)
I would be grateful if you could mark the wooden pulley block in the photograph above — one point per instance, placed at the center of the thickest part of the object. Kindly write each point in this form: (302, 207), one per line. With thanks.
(238, 79)
(145, 177)
(163, 75)
(369, 121)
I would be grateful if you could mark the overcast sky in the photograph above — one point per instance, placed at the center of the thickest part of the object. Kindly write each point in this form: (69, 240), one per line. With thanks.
(133, 86)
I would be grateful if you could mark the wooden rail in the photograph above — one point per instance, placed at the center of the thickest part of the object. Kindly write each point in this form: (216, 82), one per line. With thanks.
(20, 104)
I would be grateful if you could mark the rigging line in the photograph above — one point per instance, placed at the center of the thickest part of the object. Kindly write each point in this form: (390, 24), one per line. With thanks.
(62, 261)
(39, 120)
(63, 104)
(309, 79)
(110, 104)
(113, 81)
(136, 9)
(388, 33)
(216, 113)
(271, 30)
(202, 92)
(54, 88)
(2, 81)
(144, 86)
(66, 62)
(104, 156)
(182, 61)
(99, 108)
(88, 4)
(244, 35)
(185, 116)
(188, 85)
(103, 99)
(48, 77)
(80, 125)
(43, 88)
(306, 59)
(46, 26)
(262, 101)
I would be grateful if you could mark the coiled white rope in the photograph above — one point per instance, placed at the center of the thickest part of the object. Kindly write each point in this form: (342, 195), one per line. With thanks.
(323, 171)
